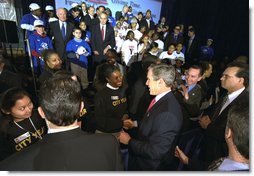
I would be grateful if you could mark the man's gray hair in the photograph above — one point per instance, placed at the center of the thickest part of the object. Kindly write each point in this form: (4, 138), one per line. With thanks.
(165, 72)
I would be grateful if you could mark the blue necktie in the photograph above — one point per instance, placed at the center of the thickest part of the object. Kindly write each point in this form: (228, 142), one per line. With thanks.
(63, 30)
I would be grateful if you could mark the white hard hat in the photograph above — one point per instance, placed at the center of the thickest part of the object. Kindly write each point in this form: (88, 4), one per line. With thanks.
(49, 7)
(38, 23)
(74, 4)
(34, 6)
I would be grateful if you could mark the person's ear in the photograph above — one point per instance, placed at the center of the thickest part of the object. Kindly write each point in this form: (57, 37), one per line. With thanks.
(41, 112)
(228, 133)
(5, 112)
(241, 80)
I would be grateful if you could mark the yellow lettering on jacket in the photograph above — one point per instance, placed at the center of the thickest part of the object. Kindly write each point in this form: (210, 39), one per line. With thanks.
(23, 143)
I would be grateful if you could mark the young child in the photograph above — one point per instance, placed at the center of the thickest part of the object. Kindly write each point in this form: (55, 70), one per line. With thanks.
(119, 41)
(154, 49)
(169, 54)
(78, 50)
(85, 34)
(38, 42)
(178, 52)
(143, 46)
(129, 49)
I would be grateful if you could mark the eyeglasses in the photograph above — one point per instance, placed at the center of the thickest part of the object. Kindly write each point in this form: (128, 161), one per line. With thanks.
(226, 76)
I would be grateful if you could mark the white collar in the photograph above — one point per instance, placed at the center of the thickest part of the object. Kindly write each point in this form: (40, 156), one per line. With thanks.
(158, 97)
(235, 94)
(35, 17)
(62, 22)
(111, 87)
(61, 129)
(104, 25)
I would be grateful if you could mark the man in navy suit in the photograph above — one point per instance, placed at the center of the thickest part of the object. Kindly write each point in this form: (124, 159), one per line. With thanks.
(102, 39)
(154, 147)
(147, 21)
(61, 32)
(65, 147)
(235, 79)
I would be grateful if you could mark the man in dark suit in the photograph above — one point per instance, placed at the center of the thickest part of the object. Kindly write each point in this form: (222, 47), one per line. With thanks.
(192, 47)
(65, 147)
(61, 31)
(174, 37)
(147, 21)
(123, 13)
(88, 18)
(158, 131)
(102, 39)
(190, 96)
(235, 80)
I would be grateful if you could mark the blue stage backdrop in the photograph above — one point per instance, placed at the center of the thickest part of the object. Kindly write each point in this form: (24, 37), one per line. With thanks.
(117, 5)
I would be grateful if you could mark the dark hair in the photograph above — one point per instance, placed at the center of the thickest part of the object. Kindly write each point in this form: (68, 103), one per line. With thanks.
(243, 71)
(83, 3)
(128, 33)
(153, 45)
(76, 28)
(10, 97)
(63, 73)
(148, 60)
(140, 13)
(110, 12)
(204, 65)
(113, 52)
(75, 9)
(238, 122)
(101, 6)
(201, 71)
(47, 53)
(60, 99)
(109, 69)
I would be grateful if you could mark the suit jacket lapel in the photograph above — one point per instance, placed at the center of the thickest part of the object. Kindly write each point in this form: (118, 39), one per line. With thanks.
(221, 115)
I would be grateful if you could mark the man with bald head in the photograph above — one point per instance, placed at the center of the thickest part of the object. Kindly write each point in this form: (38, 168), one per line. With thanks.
(61, 32)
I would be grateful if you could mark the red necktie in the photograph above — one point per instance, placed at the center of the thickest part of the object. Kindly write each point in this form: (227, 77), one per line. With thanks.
(102, 32)
(151, 104)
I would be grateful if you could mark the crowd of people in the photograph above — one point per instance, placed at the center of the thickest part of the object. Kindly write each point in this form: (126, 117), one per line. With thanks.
(160, 102)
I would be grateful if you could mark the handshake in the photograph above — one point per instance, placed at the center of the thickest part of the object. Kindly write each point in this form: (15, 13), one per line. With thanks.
(128, 123)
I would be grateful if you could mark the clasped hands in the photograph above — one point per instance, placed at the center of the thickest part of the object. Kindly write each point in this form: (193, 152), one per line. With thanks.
(124, 137)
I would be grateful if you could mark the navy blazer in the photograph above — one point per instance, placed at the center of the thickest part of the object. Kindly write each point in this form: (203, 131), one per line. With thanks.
(153, 150)
(214, 134)
(72, 150)
(60, 42)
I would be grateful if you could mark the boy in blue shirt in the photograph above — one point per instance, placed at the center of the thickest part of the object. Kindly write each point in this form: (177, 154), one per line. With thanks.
(77, 51)
(38, 42)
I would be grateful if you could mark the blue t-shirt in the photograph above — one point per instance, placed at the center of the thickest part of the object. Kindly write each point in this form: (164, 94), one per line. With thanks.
(73, 46)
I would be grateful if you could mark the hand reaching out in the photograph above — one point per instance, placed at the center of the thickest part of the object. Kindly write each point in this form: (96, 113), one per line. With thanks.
(179, 154)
